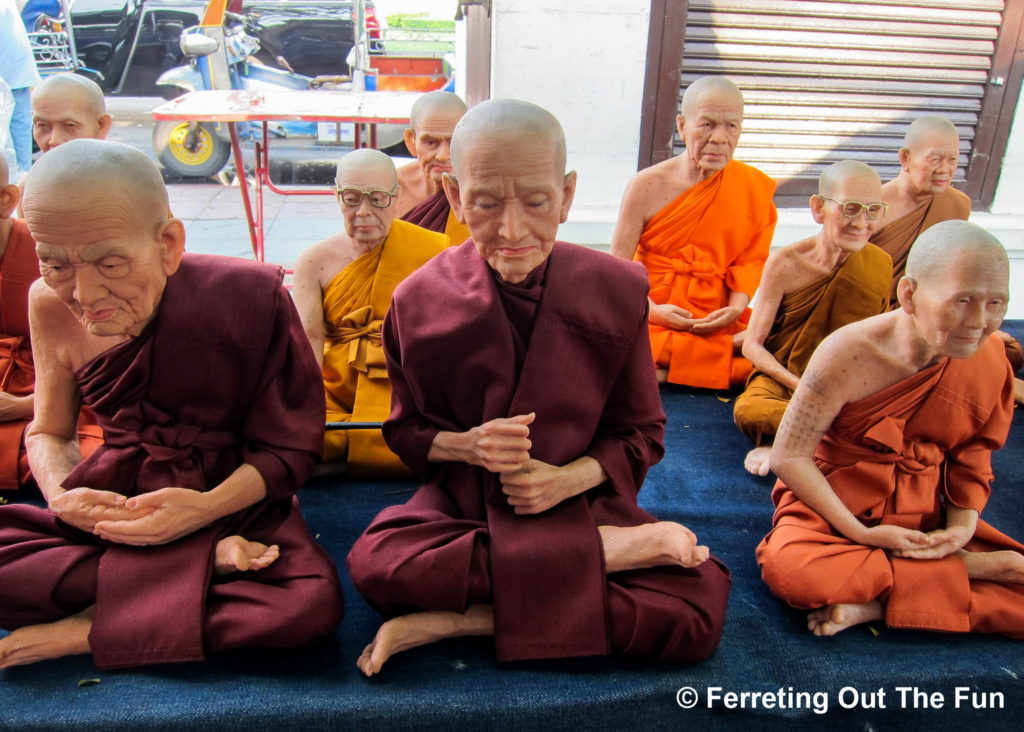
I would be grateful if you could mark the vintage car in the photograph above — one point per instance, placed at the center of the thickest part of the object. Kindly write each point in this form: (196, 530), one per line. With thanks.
(130, 43)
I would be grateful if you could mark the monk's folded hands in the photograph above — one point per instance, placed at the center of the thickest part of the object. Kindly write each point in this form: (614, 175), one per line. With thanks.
(159, 517)
(84, 507)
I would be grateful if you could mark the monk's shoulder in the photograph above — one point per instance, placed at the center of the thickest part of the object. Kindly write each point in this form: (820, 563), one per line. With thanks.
(55, 329)
(958, 201)
(417, 241)
(876, 260)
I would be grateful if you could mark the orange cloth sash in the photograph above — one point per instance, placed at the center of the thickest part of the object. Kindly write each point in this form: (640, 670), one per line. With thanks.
(711, 240)
(355, 376)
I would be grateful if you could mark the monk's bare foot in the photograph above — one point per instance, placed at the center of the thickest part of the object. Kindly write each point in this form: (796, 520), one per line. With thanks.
(1018, 391)
(650, 545)
(662, 375)
(832, 619)
(33, 643)
(418, 629)
(757, 461)
(235, 554)
(1001, 566)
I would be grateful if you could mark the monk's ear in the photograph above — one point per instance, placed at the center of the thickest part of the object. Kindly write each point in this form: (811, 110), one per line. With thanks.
(817, 204)
(451, 189)
(680, 122)
(568, 192)
(905, 290)
(171, 237)
(10, 194)
(410, 140)
(105, 121)
(904, 157)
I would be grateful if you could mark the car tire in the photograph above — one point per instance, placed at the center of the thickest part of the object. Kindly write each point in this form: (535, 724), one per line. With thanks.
(209, 155)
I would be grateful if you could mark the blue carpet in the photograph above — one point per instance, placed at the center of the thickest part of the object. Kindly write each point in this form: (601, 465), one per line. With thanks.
(459, 685)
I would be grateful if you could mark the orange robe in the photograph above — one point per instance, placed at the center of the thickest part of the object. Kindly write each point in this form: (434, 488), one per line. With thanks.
(435, 214)
(19, 268)
(856, 289)
(896, 236)
(898, 457)
(711, 240)
(355, 377)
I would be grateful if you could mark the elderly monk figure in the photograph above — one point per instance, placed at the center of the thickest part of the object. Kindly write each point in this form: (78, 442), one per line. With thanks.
(342, 288)
(19, 268)
(423, 200)
(534, 437)
(66, 107)
(901, 412)
(810, 289)
(701, 223)
(181, 534)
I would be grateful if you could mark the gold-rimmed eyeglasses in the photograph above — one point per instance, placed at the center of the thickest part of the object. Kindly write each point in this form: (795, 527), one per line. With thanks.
(352, 196)
(852, 209)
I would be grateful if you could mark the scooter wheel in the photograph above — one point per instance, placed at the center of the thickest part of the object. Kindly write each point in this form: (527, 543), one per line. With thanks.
(202, 156)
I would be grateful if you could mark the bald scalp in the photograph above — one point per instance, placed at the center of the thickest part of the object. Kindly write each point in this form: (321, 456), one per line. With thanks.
(833, 177)
(101, 169)
(61, 85)
(926, 128)
(437, 102)
(940, 245)
(708, 85)
(510, 121)
(365, 160)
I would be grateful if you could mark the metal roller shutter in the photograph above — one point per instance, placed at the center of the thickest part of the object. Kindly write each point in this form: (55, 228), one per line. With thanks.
(826, 80)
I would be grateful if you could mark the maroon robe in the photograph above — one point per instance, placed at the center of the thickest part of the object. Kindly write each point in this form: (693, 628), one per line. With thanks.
(586, 371)
(185, 404)
(431, 213)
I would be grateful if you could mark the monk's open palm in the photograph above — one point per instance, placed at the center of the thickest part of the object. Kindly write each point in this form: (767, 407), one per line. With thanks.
(159, 517)
(83, 508)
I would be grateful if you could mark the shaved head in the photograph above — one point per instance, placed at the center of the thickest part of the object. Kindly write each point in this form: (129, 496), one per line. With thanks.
(61, 85)
(835, 175)
(439, 103)
(717, 86)
(111, 171)
(358, 163)
(942, 244)
(924, 129)
(511, 122)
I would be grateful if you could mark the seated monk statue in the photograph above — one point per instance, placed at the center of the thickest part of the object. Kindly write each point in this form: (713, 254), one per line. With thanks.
(701, 223)
(342, 289)
(810, 289)
(181, 534)
(901, 412)
(422, 200)
(19, 268)
(528, 528)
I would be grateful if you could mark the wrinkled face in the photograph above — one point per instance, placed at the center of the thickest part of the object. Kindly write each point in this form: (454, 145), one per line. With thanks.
(57, 118)
(432, 142)
(956, 309)
(712, 130)
(849, 234)
(931, 163)
(102, 263)
(366, 223)
(512, 204)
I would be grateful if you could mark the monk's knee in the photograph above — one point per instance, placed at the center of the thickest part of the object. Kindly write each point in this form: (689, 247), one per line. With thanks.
(794, 574)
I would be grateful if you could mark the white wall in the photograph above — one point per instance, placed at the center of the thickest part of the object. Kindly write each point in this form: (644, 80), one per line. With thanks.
(586, 66)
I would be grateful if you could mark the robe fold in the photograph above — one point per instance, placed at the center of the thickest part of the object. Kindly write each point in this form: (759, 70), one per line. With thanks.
(857, 289)
(185, 404)
(896, 237)
(711, 240)
(586, 373)
(19, 268)
(354, 373)
(899, 457)
(435, 214)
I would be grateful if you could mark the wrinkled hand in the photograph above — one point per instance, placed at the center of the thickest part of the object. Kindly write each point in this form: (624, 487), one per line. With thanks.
(535, 487)
(14, 407)
(670, 316)
(721, 318)
(503, 444)
(887, 536)
(83, 508)
(943, 543)
(158, 518)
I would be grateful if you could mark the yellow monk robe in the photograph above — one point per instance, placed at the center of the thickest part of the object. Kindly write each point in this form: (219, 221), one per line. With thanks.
(896, 236)
(456, 231)
(711, 240)
(856, 289)
(356, 381)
